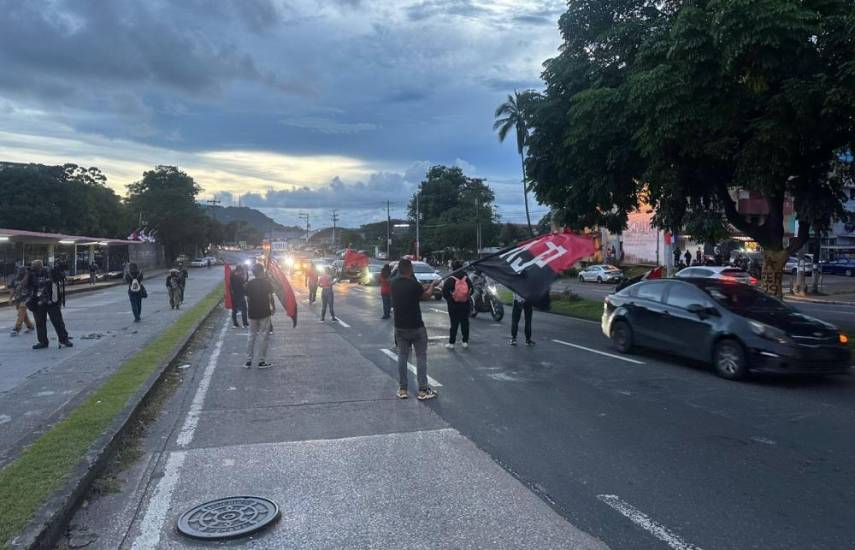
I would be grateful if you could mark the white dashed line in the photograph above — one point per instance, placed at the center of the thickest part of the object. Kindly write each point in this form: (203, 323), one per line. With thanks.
(645, 522)
(185, 436)
(437, 337)
(412, 368)
(438, 310)
(158, 506)
(598, 352)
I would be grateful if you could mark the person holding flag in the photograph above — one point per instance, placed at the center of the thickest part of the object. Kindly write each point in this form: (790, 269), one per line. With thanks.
(259, 294)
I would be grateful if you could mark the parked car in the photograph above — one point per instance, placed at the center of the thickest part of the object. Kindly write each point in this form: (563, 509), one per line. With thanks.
(199, 262)
(731, 325)
(839, 267)
(371, 275)
(793, 264)
(424, 274)
(722, 273)
(601, 273)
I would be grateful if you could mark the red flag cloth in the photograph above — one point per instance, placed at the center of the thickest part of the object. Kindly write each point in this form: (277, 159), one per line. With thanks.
(354, 259)
(283, 290)
(531, 266)
(655, 273)
(228, 297)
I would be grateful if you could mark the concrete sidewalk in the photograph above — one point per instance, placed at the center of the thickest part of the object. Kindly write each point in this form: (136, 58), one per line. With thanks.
(322, 434)
(38, 387)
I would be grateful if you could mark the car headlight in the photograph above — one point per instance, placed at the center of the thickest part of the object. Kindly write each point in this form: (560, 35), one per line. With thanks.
(769, 333)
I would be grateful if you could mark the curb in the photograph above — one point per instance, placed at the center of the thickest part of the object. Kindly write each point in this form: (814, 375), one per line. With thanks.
(50, 521)
(815, 301)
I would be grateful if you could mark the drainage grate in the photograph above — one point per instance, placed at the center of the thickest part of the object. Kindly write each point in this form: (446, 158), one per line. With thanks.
(228, 518)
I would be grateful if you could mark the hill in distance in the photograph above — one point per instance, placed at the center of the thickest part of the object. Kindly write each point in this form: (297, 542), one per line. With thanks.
(254, 218)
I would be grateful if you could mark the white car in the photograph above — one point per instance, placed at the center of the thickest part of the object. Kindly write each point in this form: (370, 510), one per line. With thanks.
(724, 273)
(424, 274)
(793, 265)
(199, 262)
(602, 273)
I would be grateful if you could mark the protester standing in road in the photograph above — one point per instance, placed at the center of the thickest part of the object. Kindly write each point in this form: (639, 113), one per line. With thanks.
(18, 299)
(237, 283)
(46, 295)
(183, 279)
(410, 331)
(136, 290)
(326, 282)
(259, 294)
(173, 288)
(386, 290)
(312, 282)
(521, 307)
(457, 290)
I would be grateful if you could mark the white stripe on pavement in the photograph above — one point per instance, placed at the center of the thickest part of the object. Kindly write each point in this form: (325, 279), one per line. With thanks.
(158, 506)
(613, 356)
(438, 310)
(342, 323)
(412, 368)
(185, 436)
(440, 337)
(359, 288)
(645, 522)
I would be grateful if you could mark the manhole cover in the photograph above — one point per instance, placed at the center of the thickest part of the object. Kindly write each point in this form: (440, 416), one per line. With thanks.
(227, 518)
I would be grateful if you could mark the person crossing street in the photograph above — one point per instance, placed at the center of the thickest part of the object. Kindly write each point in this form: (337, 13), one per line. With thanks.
(46, 291)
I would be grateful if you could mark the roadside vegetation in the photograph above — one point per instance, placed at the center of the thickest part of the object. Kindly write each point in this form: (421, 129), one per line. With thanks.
(42, 468)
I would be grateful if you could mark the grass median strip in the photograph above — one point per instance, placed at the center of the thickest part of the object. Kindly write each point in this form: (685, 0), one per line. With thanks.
(576, 307)
(44, 466)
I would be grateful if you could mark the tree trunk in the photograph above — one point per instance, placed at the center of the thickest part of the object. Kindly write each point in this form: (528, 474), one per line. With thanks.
(816, 272)
(800, 284)
(772, 277)
(525, 196)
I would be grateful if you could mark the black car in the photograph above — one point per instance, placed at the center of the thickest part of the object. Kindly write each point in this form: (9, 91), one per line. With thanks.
(735, 327)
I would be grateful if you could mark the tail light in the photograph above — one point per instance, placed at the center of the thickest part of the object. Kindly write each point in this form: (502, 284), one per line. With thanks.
(754, 281)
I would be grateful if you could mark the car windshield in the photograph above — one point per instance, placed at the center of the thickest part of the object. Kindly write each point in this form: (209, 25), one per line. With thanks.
(739, 297)
(422, 268)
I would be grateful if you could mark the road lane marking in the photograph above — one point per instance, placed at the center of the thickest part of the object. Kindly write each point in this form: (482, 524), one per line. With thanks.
(613, 356)
(437, 337)
(410, 367)
(158, 506)
(185, 436)
(342, 323)
(645, 522)
(359, 288)
(438, 310)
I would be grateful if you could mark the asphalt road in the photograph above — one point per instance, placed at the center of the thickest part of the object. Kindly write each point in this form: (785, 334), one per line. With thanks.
(841, 315)
(766, 463)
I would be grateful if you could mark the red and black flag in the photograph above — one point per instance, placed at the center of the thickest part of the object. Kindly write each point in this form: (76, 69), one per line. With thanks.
(283, 290)
(531, 266)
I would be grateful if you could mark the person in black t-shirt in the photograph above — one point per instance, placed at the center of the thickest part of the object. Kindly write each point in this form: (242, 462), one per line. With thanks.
(237, 283)
(410, 331)
(259, 294)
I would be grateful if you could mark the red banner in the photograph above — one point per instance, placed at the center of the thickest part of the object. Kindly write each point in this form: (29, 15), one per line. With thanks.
(283, 290)
(354, 259)
(228, 298)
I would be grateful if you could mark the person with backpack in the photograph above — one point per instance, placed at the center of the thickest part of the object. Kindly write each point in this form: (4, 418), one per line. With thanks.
(386, 290)
(136, 290)
(326, 282)
(182, 271)
(46, 296)
(173, 288)
(457, 291)
(18, 299)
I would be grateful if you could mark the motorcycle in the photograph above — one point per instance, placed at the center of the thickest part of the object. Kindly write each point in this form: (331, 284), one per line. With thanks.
(487, 301)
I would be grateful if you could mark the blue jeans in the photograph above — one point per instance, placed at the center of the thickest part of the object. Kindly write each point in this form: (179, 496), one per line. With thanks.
(239, 304)
(327, 299)
(136, 304)
(387, 305)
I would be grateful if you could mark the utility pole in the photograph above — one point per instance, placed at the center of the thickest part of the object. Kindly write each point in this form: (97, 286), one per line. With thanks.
(418, 215)
(478, 226)
(388, 232)
(334, 219)
(305, 216)
(213, 203)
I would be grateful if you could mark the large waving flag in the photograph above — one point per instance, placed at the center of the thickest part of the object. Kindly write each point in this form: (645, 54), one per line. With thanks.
(354, 259)
(531, 266)
(283, 290)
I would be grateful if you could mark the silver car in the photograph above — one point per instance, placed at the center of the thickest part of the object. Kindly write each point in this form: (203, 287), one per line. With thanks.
(602, 273)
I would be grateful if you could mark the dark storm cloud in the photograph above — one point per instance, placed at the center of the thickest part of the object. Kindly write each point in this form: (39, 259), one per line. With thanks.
(433, 8)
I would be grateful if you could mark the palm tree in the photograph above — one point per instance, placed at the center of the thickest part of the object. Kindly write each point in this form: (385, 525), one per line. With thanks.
(511, 114)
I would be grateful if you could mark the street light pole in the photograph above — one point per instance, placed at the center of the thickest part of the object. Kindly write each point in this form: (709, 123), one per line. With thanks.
(418, 215)
(388, 232)
(305, 216)
(334, 218)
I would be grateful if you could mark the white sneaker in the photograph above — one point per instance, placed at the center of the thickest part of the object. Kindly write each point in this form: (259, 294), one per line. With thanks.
(449, 346)
(465, 345)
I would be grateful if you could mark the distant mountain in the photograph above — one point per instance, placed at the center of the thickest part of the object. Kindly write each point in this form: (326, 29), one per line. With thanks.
(251, 216)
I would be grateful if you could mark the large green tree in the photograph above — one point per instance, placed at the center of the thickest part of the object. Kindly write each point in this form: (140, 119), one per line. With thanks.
(66, 199)
(165, 198)
(681, 104)
(513, 115)
(451, 204)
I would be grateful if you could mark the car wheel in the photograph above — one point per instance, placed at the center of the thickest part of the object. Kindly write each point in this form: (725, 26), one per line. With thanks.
(729, 360)
(622, 336)
(581, 279)
(848, 272)
(599, 280)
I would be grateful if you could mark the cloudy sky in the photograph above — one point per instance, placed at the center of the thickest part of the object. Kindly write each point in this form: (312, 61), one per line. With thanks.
(295, 105)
